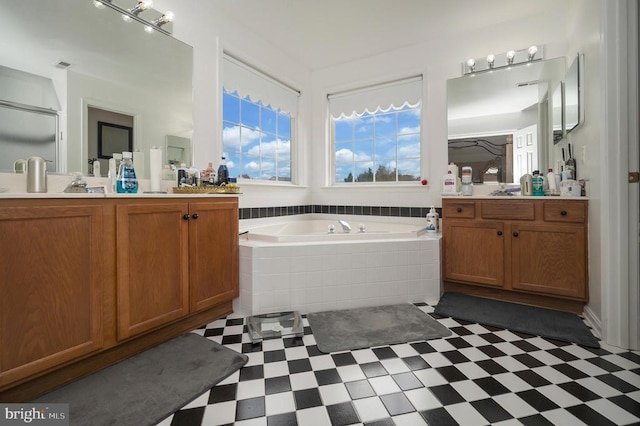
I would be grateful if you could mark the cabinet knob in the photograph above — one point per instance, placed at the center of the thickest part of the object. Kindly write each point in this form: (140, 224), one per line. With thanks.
(459, 209)
(563, 212)
(186, 217)
(195, 215)
(499, 233)
(515, 234)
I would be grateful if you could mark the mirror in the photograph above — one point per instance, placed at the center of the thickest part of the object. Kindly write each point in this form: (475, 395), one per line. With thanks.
(499, 120)
(558, 113)
(114, 66)
(574, 109)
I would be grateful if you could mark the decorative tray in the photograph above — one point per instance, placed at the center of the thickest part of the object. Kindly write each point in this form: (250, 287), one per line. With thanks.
(206, 190)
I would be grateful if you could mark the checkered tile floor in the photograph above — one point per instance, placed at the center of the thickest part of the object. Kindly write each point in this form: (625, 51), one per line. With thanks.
(479, 375)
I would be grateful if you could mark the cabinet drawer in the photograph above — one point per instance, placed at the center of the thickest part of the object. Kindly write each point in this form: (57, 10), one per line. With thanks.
(459, 209)
(564, 212)
(508, 210)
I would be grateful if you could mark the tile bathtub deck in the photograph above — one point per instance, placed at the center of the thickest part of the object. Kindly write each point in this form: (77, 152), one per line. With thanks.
(477, 376)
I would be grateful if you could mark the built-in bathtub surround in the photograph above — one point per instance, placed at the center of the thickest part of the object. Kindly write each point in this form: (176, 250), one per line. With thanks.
(318, 275)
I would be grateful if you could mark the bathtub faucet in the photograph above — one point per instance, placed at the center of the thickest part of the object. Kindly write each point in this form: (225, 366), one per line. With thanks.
(345, 226)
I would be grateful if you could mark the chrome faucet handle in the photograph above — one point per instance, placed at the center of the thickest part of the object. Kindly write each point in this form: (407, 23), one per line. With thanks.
(362, 228)
(331, 229)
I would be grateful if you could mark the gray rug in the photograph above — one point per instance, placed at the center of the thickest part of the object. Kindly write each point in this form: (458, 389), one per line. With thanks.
(563, 326)
(148, 387)
(343, 330)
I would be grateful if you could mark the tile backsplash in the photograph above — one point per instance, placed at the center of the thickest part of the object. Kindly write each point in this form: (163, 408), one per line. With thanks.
(262, 212)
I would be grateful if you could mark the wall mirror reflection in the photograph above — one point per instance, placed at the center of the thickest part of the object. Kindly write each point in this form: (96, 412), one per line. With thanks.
(573, 105)
(558, 113)
(94, 59)
(499, 121)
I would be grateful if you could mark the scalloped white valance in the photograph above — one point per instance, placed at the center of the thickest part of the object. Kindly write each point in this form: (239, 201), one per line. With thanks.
(380, 97)
(240, 77)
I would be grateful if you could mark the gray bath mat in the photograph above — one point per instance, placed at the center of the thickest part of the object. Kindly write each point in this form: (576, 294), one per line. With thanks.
(146, 388)
(563, 326)
(359, 328)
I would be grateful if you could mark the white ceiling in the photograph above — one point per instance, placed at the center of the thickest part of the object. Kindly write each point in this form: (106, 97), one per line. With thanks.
(323, 33)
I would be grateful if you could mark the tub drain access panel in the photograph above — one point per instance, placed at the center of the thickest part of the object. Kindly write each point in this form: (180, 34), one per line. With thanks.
(274, 326)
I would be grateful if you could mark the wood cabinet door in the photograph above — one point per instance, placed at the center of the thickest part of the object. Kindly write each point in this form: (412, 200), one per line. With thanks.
(51, 288)
(474, 252)
(152, 260)
(549, 259)
(214, 252)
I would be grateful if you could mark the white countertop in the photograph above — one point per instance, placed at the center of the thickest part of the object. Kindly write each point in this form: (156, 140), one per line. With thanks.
(108, 195)
(15, 186)
(511, 197)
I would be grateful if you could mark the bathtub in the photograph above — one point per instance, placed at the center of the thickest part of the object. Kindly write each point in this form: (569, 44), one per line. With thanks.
(298, 265)
(317, 230)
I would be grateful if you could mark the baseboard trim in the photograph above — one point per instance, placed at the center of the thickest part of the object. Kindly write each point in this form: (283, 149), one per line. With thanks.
(592, 321)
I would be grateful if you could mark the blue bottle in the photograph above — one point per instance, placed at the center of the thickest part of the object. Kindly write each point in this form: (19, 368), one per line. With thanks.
(127, 183)
(537, 184)
(223, 172)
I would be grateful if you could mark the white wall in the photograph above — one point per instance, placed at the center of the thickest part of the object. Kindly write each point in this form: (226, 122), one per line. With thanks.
(438, 60)
(201, 25)
(583, 31)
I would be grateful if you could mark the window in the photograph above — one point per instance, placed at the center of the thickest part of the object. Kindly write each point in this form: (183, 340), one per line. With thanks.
(258, 115)
(378, 146)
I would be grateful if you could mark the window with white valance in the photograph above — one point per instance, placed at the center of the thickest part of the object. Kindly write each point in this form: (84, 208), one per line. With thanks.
(238, 76)
(259, 115)
(375, 132)
(379, 97)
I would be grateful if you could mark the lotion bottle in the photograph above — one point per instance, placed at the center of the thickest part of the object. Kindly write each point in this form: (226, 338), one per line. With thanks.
(433, 220)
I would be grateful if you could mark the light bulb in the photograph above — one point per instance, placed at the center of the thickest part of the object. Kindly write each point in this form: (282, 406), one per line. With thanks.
(491, 59)
(510, 55)
(169, 16)
(532, 51)
(471, 64)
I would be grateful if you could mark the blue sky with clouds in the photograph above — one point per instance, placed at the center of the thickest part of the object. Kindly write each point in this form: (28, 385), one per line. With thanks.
(256, 139)
(390, 139)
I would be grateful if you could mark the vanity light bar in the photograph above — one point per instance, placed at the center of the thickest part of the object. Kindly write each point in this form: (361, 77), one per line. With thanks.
(503, 60)
(148, 24)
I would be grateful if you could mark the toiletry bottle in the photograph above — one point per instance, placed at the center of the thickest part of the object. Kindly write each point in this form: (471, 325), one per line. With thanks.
(551, 181)
(182, 175)
(570, 165)
(112, 174)
(537, 182)
(168, 173)
(466, 186)
(206, 173)
(223, 172)
(96, 168)
(449, 183)
(127, 182)
(526, 183)
(433, 220)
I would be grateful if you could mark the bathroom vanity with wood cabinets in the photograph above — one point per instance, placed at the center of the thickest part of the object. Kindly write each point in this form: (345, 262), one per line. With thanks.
(530, 250)
(88, 281)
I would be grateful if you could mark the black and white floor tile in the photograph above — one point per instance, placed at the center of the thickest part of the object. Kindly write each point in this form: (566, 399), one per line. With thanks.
(479, 375)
